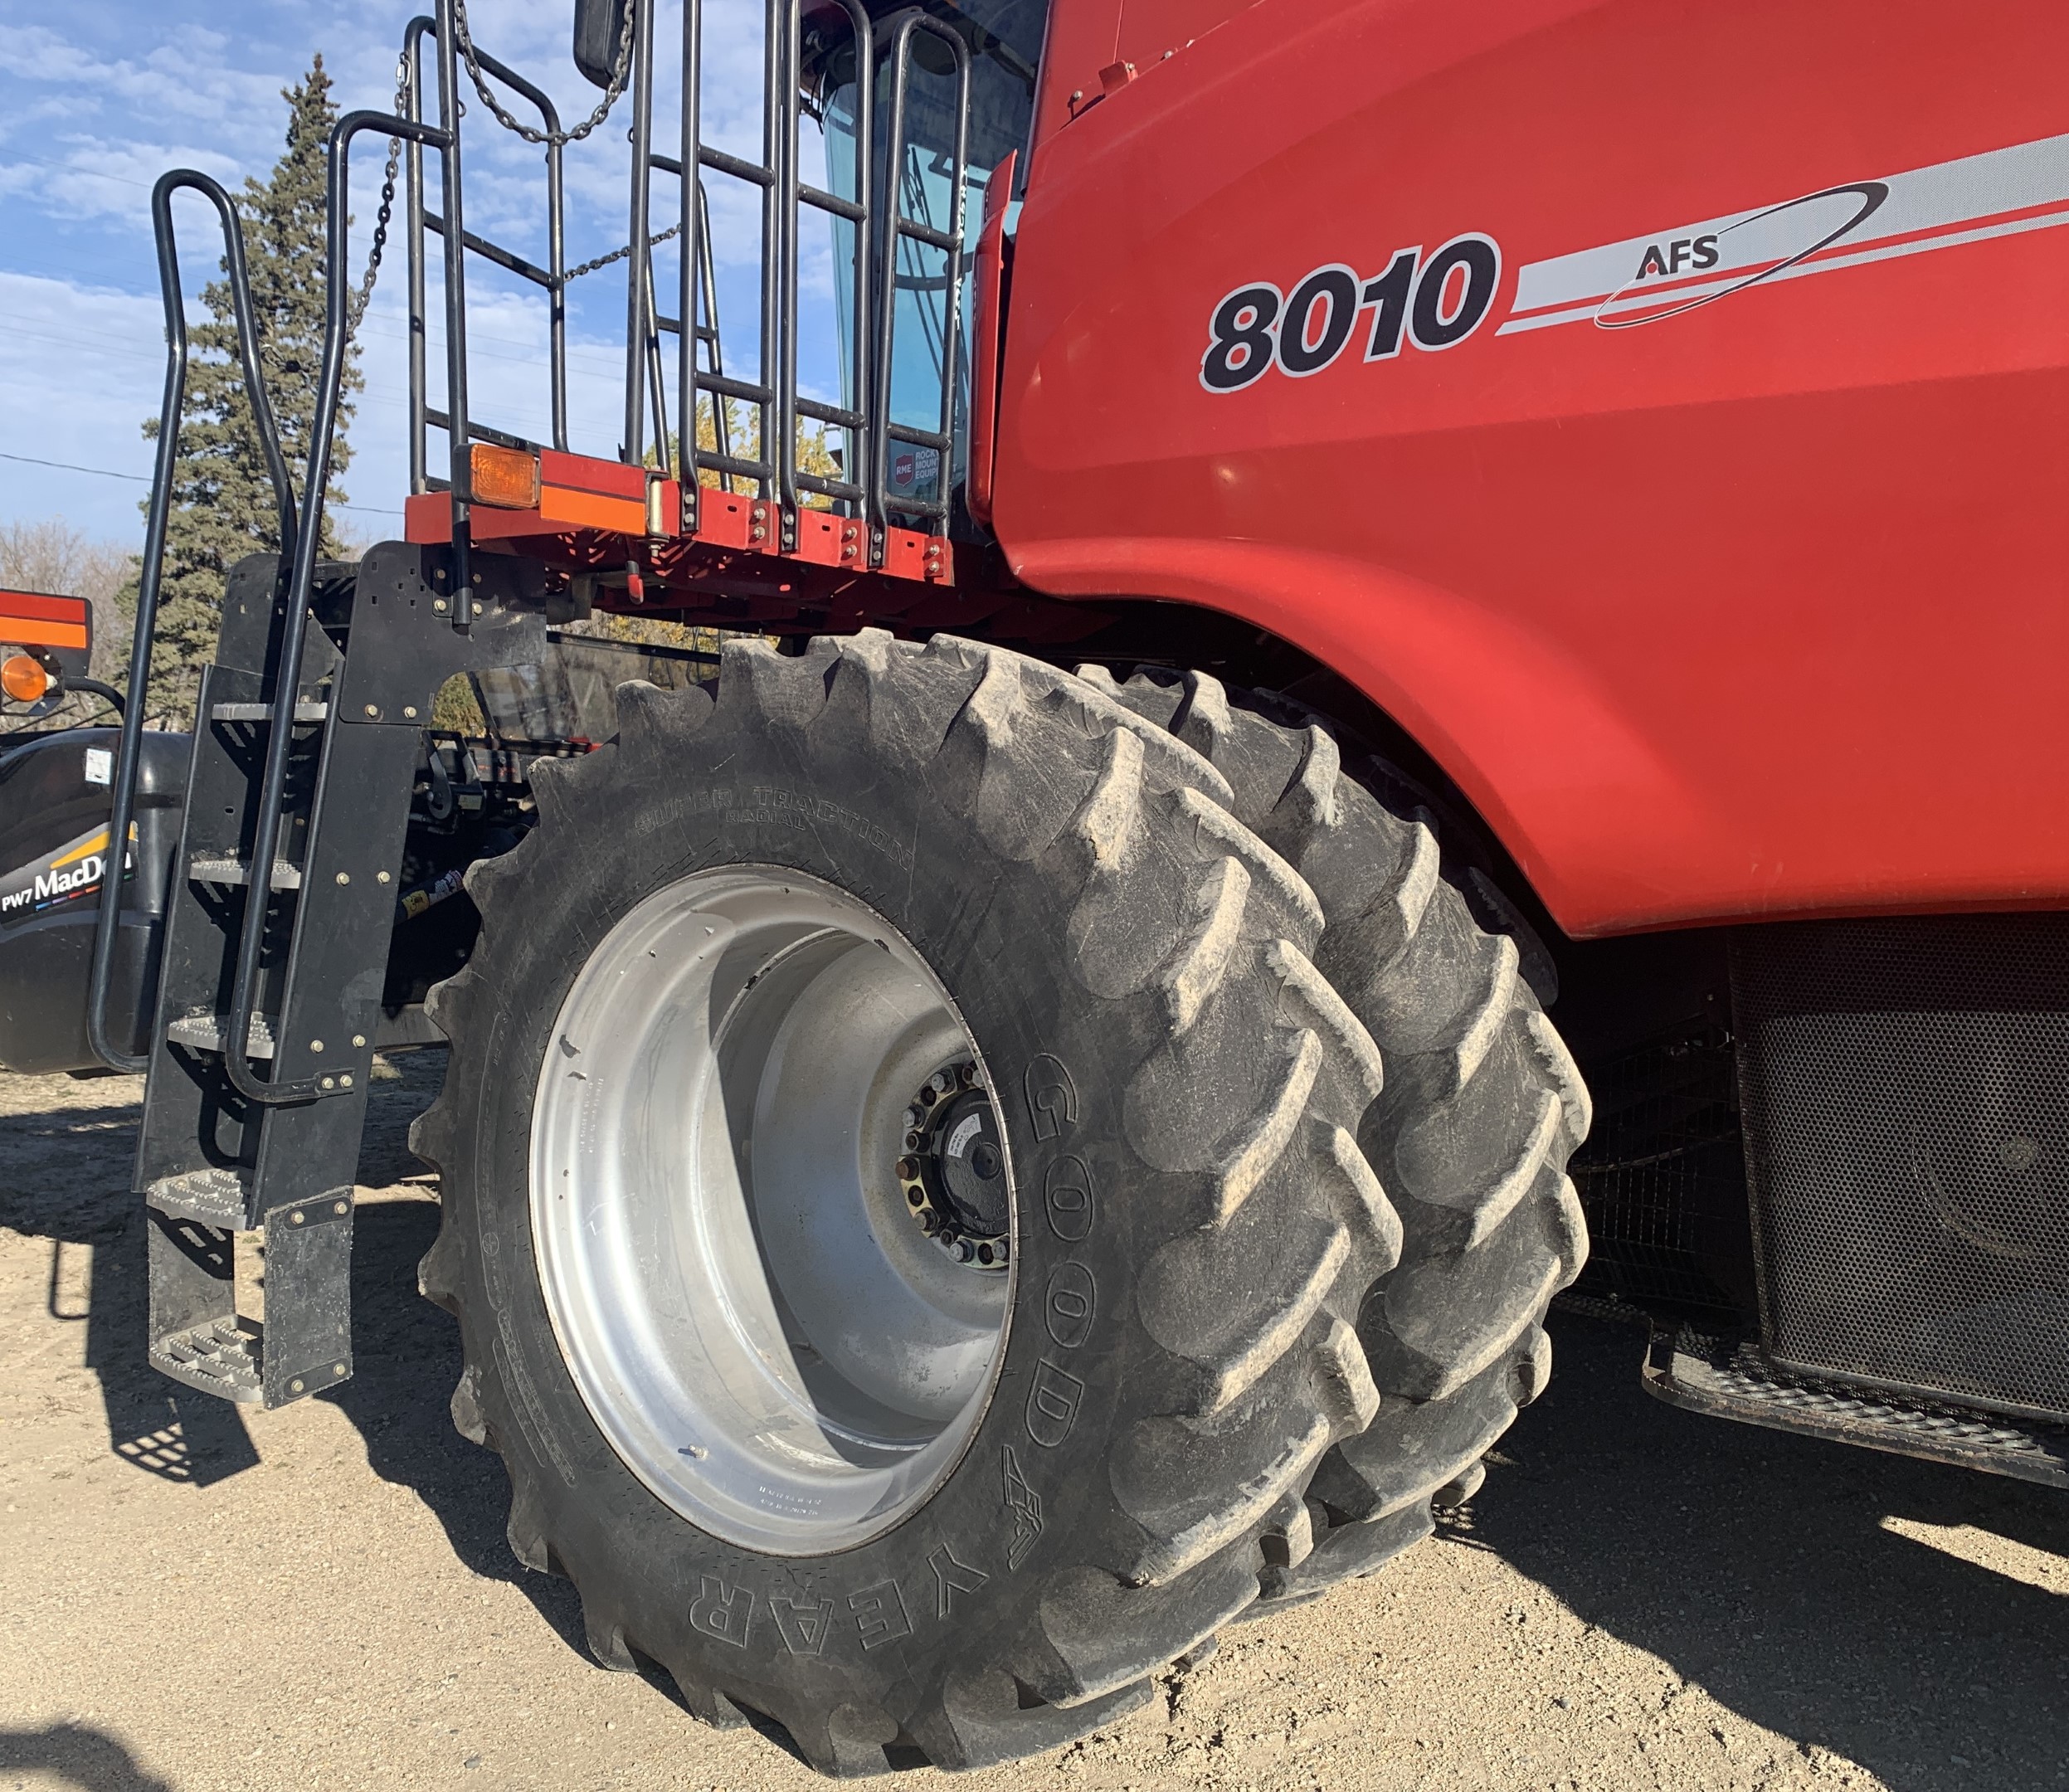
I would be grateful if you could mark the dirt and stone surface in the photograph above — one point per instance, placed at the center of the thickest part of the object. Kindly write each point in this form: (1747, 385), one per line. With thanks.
(193, 1598)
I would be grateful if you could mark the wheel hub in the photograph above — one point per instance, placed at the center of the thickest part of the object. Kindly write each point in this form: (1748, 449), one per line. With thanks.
(953, 1170)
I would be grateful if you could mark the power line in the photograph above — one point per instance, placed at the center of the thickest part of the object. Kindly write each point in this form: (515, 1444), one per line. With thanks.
(137, 478)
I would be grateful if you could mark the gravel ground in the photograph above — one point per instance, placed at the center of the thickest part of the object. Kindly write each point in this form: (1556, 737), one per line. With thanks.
(192, 1597)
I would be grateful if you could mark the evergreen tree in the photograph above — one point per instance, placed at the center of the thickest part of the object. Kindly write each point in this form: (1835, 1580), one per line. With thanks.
(222, 499)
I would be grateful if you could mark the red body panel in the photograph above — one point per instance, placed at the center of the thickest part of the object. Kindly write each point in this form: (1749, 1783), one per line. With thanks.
(1756, 609)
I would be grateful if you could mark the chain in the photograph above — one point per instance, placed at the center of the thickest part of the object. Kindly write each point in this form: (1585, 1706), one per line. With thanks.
(468, 55)
(356, 303)
(619, 254)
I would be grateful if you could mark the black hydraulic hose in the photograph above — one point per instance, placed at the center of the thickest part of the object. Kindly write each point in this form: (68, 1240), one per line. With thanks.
(92, 687)
(151, 572)
(279, 741)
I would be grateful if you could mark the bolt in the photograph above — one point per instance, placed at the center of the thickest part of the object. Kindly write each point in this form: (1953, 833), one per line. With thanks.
(477, 579)
(917, 1197)
(911, 1141)
(358, 1040)
(964, 1250)
(913, 1117)
(337, 1368)
(984, 1254)
(381, 876)
(298, 1218)
(330, 1082)
(345, 1081)
(907, 1168)
(295, 1387)
(438, 606)
(938, 1082)
(344, 877)
(928, 1097)
(315, 1045)
(338, 1207)
(409, 712)
(373, 710)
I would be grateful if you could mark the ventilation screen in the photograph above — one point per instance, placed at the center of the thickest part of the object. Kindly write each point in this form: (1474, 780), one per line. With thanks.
(1905, 1087)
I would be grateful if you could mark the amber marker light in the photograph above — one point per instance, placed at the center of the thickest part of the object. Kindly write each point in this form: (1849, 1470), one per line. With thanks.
(23, 679)
(507, 478)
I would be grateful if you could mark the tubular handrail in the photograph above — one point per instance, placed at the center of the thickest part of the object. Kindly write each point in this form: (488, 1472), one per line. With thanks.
(553, 277)
(858, 212)
(895, 225)
(236, 1037)
(151, 572)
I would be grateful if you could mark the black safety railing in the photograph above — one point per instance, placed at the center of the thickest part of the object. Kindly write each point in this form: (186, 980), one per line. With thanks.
(783, 197)
(150, 576)
(898, 229)
(859, 214)
(418, 221)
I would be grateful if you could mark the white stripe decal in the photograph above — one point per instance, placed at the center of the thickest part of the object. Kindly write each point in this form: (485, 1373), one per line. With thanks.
(1952, 201)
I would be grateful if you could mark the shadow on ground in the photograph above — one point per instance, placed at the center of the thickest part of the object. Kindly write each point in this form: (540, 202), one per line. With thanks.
(1763, 1567)
(75, 1755)
(68, 1173)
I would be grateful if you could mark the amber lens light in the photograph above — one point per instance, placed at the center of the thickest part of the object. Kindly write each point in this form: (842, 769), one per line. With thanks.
(23, 679)
(506, 477)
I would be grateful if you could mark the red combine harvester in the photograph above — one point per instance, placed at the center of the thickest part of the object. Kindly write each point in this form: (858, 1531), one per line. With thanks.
(1010, 1118)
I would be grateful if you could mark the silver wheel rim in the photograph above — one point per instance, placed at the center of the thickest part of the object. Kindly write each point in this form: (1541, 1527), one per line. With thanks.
(760, 1318)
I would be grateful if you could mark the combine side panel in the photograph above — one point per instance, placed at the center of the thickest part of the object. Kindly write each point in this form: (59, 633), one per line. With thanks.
(1661, 411)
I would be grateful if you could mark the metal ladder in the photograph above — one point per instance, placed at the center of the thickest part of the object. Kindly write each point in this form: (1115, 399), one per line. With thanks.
(297, 801)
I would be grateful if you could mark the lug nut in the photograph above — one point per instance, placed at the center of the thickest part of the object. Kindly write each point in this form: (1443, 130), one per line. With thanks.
(917, 1197)
(964, 1250)
(907, 1168)
(938, 1082)
(912, 1118)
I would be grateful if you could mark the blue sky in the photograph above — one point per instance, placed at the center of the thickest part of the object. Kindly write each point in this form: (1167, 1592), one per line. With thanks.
(98, 97)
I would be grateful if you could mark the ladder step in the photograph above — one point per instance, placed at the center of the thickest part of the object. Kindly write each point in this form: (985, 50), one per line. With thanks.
(220, 871)
(205, 1033)
(263, 711)
(212, 1197)
(220, 1358)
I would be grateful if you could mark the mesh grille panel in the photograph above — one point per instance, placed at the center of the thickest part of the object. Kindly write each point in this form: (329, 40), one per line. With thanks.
(1660, 1176)
(1906, 1092)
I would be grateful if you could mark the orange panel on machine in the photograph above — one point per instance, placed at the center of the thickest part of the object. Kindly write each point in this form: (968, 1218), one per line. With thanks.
(36, 619)
(583, 509)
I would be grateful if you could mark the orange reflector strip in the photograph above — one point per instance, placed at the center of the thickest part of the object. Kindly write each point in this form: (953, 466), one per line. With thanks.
(28, 634)
(24, 678)
(579, 510)
(506, 477)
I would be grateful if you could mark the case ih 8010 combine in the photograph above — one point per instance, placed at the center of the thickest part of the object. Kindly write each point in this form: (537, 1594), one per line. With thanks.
(1014, 1121)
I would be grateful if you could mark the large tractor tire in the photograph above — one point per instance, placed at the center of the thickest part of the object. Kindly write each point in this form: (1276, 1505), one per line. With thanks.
(902, 1201)
(1480, 1109)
